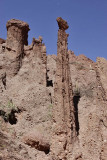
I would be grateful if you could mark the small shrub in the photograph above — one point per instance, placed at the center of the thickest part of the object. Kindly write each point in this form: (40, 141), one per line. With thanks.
(76, 90)
(79, 66)
(7, 112)
(50, 111)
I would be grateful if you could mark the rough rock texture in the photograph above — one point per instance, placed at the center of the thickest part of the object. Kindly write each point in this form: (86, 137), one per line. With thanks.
(51, 70)
(63, 118)
(62, 24)
(17, 34)
(51, 107)
(2, 41)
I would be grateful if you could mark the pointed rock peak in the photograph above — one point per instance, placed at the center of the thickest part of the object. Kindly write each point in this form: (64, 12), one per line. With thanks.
(63, 25)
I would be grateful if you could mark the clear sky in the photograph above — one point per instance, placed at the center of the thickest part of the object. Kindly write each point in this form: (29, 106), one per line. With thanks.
(87, 21)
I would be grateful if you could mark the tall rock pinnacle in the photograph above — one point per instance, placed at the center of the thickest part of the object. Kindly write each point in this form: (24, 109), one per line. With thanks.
(17, 34)
(64, 126)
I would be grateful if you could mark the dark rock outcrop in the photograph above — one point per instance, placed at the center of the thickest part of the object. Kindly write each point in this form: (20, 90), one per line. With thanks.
(2, 41)
(62, 24)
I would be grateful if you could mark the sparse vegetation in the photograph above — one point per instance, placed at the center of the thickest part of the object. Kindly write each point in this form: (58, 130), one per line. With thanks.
(76, 90)
(50, 111)
(7, 112)
(79, 66)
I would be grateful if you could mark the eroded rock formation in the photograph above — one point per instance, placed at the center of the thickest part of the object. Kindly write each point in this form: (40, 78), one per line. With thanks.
(51, 107)
(2, 41)
(17, 34)
(63, 120)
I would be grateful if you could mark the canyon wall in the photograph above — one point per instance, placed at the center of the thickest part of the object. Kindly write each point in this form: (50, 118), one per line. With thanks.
(51, 107)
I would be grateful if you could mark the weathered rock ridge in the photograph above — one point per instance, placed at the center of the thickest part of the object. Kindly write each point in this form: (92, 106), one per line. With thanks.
(51, 107)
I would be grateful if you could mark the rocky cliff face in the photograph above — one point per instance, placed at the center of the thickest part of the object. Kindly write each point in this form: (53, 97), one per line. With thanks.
(51, 107)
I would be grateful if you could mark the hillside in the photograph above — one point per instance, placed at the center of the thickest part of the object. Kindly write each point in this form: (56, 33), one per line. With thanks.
(51, 107)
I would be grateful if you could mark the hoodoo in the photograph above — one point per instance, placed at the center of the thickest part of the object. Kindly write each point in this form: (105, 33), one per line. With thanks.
(17, 37)
(64, 122)
(52, 107)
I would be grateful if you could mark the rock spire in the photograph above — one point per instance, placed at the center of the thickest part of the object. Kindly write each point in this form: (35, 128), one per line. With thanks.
(64, 126)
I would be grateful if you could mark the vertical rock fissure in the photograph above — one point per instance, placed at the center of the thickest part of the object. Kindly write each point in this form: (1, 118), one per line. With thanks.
(4, 81)
(76, 101)
(101, 89)
(49, 83)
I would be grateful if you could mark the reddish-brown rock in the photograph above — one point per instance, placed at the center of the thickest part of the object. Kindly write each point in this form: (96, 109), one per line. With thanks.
(18, 30)
(64, 133)
(17, 34)
(62, 24)
(51, 107)
(2, 41)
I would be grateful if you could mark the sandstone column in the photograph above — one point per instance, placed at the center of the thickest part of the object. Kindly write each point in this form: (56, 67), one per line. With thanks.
(63, 110)
(39, 50)
(17, 34)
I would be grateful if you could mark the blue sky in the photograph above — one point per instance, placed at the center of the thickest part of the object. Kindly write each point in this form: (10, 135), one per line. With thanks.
(87, 21)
